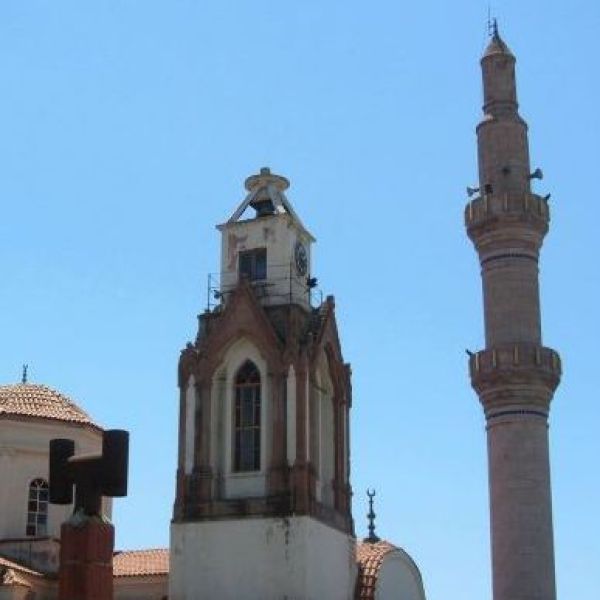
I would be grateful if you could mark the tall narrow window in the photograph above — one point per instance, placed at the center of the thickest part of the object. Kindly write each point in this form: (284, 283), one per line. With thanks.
(246, 426)
(253, 264)
(37, 508)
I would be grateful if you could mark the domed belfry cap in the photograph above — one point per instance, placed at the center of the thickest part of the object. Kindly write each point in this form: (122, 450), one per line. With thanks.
(264, 179)
(497, 45)
(266, 190)
(266, 195)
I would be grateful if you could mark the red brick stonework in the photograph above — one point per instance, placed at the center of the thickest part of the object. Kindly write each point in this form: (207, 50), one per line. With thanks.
(86, 553)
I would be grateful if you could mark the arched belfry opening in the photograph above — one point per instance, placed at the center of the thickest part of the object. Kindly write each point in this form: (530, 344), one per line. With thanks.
(247, 419)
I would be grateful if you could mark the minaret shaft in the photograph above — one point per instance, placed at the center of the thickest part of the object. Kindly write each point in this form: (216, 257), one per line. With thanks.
(511, 300)
(515, 376)
(520, 508)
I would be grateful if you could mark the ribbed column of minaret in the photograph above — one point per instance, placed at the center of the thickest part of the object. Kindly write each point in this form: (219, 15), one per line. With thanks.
(515, 376)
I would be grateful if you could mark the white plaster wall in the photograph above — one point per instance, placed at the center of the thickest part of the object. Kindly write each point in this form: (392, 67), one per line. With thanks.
(279, 234)
(125, 588)
(14, 592)
(39, 554)
(399, 578)
(24, 452)
(141, 588)
(247, 484)
(39, 589)
(261, 559)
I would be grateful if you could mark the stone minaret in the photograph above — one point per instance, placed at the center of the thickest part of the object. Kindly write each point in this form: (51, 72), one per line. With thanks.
(515, 375)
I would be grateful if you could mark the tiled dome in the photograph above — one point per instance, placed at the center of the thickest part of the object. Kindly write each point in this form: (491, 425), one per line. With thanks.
(34, 401)
(369, 558)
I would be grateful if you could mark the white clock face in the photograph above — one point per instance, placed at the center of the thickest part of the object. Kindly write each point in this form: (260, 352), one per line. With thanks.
(301, 259)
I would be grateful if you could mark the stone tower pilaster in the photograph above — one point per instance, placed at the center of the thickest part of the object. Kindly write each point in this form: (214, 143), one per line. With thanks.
(515, 375)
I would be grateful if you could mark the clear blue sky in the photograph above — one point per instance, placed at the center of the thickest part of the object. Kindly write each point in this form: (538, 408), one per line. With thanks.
(126, 130)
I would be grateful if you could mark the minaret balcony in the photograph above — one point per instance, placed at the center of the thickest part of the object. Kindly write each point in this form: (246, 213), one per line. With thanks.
(512, 368)
(510, 218)
(509, 205)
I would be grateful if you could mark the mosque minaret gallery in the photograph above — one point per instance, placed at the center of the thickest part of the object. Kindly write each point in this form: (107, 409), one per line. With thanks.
(515, 375)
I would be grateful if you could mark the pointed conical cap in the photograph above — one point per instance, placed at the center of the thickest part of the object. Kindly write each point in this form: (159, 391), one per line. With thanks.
(497, 45)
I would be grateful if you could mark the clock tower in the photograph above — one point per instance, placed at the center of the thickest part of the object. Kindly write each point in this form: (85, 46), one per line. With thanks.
(262, 507)
(270, 251)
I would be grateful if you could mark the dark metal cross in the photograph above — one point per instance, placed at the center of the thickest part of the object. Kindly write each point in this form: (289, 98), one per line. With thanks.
(93, 475)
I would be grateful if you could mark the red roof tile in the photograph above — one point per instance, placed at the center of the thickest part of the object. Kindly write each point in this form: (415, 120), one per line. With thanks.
(137, 563)
(40, 402)
(369, 558)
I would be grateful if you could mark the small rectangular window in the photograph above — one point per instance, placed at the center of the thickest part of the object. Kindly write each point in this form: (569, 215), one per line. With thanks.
(253, 264)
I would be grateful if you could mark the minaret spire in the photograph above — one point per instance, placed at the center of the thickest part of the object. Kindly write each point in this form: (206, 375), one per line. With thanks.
(515, 375)
(372, 538)
(502, 133)
(495, 28)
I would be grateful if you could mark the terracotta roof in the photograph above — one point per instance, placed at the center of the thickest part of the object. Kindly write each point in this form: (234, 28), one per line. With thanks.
(369, 558)
(40, 402)
(137, 563)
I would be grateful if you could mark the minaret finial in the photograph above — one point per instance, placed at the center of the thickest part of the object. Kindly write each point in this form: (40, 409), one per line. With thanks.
(372, 537)
(492, 23)
(495, 28)
(24, 375)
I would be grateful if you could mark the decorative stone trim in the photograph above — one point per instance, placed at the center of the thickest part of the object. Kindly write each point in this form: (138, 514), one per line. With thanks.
(520, 355)
(511, 413)
(489, 206)
(521, 365)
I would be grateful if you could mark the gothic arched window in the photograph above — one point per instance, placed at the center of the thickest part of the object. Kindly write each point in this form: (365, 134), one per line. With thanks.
(37, 508)
(246, 419)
